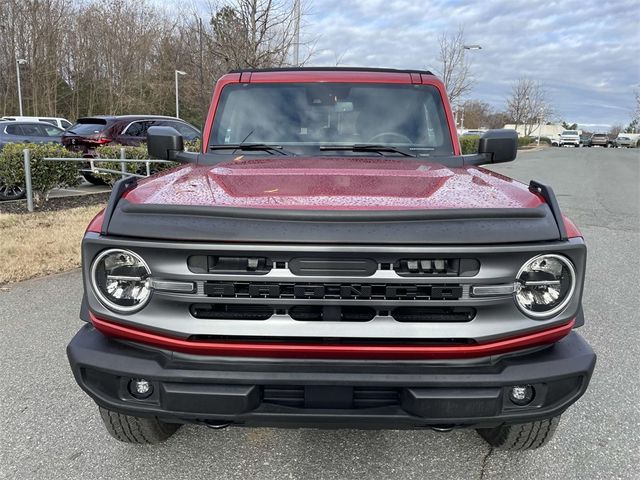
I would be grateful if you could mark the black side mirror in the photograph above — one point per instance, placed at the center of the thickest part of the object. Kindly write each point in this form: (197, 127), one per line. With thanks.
(164, 143)
(498, 146)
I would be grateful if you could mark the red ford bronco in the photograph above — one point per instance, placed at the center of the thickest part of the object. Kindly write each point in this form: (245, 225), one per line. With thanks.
(330, 259)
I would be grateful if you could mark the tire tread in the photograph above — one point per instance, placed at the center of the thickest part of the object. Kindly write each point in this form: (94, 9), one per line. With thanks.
(130, 429)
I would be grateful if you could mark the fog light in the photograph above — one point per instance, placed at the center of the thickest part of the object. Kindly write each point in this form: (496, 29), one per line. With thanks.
(521, 394)
(140, 388)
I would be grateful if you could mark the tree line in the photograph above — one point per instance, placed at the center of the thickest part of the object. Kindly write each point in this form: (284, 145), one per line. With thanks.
(94, 57)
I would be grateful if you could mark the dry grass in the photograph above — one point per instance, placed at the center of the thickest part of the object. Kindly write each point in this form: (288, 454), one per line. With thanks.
(41, 243)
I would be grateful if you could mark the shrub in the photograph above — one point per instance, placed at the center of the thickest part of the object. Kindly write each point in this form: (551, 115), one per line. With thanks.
(524, 141)
(131, 153)
(193, 145)
(469, 144)
(45, 175)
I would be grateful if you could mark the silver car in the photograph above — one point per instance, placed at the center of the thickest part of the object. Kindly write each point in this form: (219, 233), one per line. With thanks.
(24, 132)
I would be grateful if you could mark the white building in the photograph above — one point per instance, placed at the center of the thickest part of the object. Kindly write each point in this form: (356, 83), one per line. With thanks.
(549, 131)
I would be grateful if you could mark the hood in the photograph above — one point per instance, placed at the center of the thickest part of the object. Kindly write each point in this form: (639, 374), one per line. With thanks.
(333, 183)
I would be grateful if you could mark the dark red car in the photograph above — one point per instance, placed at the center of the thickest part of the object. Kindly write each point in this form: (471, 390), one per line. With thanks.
(331, 259)
(90, 132)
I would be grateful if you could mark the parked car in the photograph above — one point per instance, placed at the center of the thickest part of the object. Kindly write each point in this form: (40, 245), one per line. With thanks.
(88, 133)
(585, 140)
(570, 137)
(24, 132)
(332, 259)
(599, 140)
(57, 121)
(628, 140)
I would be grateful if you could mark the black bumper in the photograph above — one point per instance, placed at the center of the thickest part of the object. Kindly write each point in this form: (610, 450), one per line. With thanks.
(330, 393)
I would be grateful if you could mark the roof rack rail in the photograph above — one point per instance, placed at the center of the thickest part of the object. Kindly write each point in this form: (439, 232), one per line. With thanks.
(330, 69)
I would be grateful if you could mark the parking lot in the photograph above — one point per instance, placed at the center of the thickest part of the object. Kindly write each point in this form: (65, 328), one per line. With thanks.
(52, 430)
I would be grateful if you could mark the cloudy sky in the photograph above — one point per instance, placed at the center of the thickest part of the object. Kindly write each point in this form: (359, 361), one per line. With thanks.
(586, 53)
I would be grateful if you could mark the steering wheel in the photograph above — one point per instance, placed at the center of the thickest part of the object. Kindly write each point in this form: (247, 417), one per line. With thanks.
(403, 138)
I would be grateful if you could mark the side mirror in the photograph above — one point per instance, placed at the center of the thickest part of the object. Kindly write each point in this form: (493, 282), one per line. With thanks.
(498, 146)
(164, 143)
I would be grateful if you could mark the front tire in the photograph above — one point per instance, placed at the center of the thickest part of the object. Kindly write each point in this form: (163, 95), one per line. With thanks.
(523, 436)
(130, 429)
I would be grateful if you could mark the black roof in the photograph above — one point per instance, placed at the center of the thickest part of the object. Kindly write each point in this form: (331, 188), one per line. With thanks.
(331, 69)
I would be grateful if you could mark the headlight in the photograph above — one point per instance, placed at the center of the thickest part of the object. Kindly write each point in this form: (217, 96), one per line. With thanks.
(121, 280)
(544, 285)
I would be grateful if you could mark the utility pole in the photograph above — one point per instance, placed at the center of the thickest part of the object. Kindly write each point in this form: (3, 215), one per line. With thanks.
(296, 33)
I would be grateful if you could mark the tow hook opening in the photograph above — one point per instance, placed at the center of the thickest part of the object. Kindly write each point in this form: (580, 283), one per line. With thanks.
(442, 428)
(216, 425)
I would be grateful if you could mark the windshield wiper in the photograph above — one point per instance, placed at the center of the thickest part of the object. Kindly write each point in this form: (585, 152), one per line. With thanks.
(252, 147)
(365, 147)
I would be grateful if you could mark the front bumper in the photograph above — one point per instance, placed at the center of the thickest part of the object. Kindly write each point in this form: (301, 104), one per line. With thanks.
(330, 393)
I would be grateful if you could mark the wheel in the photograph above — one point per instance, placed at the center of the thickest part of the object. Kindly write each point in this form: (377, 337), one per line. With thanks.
(129, 429)
(523, 436)
(13, 192)
(92, 179)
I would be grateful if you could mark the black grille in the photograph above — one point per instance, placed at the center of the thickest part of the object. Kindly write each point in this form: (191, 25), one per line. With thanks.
(361, 397)
(433, 314)
(335, 291)
(231, 311)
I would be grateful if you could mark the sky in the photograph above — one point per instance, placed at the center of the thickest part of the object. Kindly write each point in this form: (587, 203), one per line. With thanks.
(586, 53)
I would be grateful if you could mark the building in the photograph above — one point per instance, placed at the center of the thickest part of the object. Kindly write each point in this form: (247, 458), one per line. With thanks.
(549, 131)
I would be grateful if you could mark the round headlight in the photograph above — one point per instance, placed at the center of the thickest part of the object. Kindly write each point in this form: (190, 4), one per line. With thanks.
(121, 280)
(544, 285)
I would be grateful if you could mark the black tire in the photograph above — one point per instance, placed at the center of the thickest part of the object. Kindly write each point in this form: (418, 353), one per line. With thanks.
(15, 192)
(92, 179)
(129, 429)
(522, 436)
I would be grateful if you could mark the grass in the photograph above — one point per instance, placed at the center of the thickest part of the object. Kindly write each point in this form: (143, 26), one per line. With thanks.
(36, 244)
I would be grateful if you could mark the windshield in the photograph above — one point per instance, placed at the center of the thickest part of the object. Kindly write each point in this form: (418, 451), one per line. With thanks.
(308, 116)
(570, 132)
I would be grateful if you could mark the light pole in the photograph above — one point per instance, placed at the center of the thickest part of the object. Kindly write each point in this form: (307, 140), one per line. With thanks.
(178, 72)
(540, 115)
(467, 47)
(296, 33)
(19, 61)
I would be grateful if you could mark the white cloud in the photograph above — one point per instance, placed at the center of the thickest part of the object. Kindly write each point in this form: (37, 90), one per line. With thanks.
(584, 51)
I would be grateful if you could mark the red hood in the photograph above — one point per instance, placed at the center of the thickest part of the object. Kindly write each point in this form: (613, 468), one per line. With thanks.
(333, 183)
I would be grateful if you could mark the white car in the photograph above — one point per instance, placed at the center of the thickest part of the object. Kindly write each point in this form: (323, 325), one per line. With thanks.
(62, 123)
(570, 137)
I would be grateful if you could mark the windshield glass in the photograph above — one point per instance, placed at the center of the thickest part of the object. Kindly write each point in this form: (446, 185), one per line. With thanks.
(314, 115)
(570, 132)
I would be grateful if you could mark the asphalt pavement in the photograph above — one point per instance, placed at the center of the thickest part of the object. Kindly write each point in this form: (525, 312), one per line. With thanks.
(51, 430)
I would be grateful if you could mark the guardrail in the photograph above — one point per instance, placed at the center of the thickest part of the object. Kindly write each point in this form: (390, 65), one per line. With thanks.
(122, 160)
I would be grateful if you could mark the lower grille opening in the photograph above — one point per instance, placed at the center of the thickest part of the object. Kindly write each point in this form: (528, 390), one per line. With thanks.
(231, 311)
(361, 397)
(433, 314)
(332, 313)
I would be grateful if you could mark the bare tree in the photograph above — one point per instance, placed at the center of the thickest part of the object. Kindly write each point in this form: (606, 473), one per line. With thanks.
(90, 57)
(527, 105)
(454, 71)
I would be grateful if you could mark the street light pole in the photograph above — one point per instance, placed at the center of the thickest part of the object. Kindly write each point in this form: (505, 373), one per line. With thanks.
(178, 72)
(296, 33)
(19, 61)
